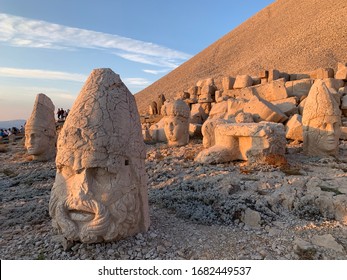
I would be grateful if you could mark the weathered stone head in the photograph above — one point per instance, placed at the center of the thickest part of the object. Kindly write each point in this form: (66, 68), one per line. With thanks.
(321, 120)
(176, 122)
(40, 132)
(99, 193)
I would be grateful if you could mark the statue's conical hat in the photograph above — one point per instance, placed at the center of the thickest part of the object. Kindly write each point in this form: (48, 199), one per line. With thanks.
(42, 116)
(103, 127)
(320, 102)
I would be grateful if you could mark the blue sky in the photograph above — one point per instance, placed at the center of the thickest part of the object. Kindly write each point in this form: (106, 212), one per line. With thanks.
(52, 46)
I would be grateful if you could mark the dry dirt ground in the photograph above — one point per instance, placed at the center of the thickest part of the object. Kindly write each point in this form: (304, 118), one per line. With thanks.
(225, 211)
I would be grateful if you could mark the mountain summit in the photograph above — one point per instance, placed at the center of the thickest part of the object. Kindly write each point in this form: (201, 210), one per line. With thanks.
(289, 35)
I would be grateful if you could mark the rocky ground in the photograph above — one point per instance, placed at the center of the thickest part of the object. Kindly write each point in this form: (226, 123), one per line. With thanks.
(225, 211)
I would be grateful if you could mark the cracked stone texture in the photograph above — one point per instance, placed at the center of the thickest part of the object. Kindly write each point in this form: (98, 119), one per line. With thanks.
(245, 141)
(321, 121)
(40, 132)
(100, 186)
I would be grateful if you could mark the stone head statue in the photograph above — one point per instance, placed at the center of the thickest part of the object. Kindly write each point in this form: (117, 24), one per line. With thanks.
(40, 132)
(321, 121)
(100, 193)
(176, 122)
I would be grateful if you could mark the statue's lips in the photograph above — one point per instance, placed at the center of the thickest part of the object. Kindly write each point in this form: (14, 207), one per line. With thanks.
(81, 216)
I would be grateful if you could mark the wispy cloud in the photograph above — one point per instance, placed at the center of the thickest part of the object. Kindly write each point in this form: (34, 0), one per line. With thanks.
(41, 74)
(24, 32)
(155, 72)
(136, 82)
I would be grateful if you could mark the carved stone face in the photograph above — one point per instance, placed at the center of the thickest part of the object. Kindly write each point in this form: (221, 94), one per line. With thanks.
(176, 130)
(97, 204)
(100, 192)
(322, 135)
(38, 144)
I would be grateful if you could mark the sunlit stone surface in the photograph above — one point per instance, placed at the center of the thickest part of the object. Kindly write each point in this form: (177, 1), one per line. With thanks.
(176, 122)
(321, 121)
(40, 132)
(100, 190)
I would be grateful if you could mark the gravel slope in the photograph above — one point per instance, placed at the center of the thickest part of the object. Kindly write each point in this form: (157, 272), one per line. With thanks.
(289, 35)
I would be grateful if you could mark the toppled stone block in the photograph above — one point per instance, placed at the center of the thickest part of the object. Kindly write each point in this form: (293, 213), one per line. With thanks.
(228, 83)
(234, 106)
(218, 110)
(243, 81)
(324, 73)
(197, 114)
(294, 128)
(287, 106)
(244, 141)
(334, 83)
(271, 91)
(207, 131)
(220, 97)
(244, 118)
(244, 93)
(263, 110)
(299, 88)
(341, 71)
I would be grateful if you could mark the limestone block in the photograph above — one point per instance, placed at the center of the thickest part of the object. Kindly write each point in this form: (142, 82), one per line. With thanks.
(160, 102)
(153, 108)
(100, 191)
(205, 82)
(341, 71)
(220, 97)
(197, 114)
(244, 118)
(40, 131)
(219, 110)
(243, 81)
(299, 88)
(324, 73)
(321, 120)
(244, 141)
(271, 91)
(334, 83)
(245, 93)
(287, 106)
(273, 75)
(206, 94)
(207, 131)
(299, 76)
(193, 91)
(263, 110)
(234, 106)
(294, 128)
(228, 83)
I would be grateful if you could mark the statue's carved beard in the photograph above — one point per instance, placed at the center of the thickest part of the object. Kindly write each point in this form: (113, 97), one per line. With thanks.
(90, 221)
